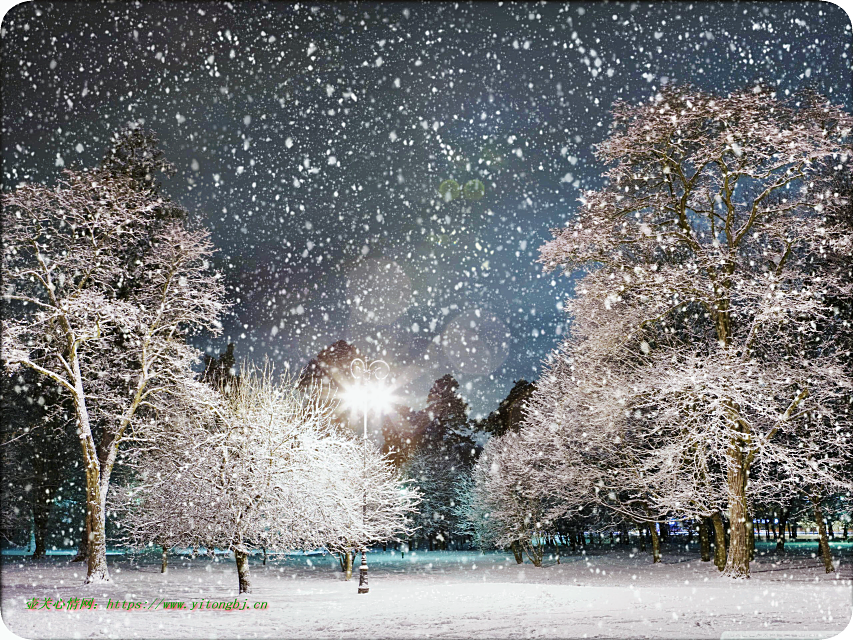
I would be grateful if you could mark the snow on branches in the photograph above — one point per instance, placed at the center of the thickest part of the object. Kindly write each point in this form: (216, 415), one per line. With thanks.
(267, 469)
(103, 283)
(707, 365)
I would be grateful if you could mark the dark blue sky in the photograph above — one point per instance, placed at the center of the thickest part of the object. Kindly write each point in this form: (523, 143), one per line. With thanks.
(313, 138)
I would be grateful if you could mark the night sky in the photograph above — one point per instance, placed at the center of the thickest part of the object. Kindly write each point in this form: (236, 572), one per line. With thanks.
(312, 139)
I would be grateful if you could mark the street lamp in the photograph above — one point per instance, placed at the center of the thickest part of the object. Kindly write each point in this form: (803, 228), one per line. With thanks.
(367, 396)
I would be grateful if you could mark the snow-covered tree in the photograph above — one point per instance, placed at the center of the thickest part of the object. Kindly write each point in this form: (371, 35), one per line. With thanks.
(381, 504)
(710, 242)
(159, 502)
(102, 286)
(436, 474)
(505, 493)
(472, 515)
(265, 470)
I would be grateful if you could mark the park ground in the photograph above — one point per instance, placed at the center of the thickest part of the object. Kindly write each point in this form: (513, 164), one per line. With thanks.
(603, 593)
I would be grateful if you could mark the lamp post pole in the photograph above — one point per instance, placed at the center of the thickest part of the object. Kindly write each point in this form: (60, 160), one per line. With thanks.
(379, 370)
(362, 570)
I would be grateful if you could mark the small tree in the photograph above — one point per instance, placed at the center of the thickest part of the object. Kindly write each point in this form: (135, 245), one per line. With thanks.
(508, 496)
(267, 471)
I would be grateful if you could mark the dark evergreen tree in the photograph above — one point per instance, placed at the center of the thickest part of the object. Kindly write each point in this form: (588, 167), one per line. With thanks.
(443, 425)
(442, 452)
(220, 370)
(510, 412)
(331, 367)
(135, 153)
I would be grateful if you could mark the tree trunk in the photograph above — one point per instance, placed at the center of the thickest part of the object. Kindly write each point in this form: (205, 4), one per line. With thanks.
(655, 542)
(39, 530)
(164, 564)
(348, 565)
(242, 559)
(783, 525)
(516, 551)
(824, 542)
(265, 555)
(704, 540)
(97, 570)
(719, 541)
(96, 538)
(664, 532)
(534, 552)
(737, 564)
(624, 538)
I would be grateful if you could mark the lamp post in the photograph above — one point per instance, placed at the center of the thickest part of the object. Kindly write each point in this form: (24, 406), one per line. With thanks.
(377, 370)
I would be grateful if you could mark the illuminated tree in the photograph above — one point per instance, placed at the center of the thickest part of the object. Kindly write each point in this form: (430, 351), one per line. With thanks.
(709, 242)
(109, 331)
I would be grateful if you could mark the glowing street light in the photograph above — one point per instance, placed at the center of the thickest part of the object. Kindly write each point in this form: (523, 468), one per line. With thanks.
(367, 396)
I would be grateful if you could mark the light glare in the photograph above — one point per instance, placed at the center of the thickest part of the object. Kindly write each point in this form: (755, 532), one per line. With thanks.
(369, 397)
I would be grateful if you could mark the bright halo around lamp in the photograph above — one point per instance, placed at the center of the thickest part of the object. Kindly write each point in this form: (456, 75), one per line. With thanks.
(371, 397)
(370, 392)
(353, 397)
(380, 397)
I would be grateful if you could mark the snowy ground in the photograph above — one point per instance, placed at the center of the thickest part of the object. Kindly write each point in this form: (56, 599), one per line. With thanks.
(603, 594)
